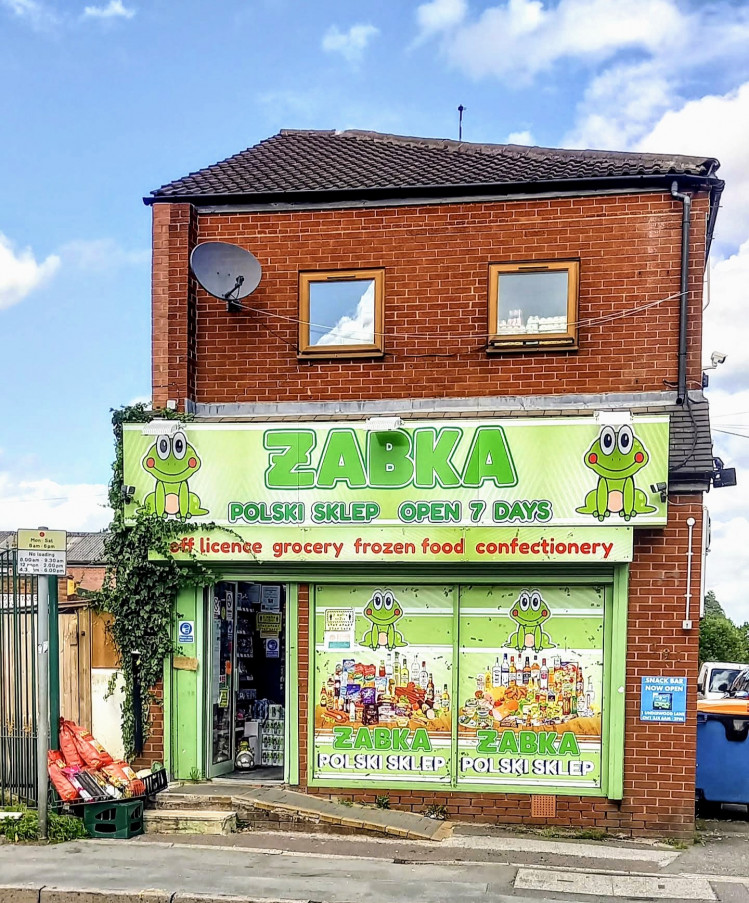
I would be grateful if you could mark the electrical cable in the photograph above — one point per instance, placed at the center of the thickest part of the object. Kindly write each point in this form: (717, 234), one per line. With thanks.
(731, 433)
(690, 454)
(329, 330)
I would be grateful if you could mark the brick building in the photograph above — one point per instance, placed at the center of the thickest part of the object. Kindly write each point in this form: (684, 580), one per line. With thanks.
(454, 447)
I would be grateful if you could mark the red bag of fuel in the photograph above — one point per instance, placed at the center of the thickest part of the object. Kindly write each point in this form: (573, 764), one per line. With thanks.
(90, 750)
(62, 784)
(68, 746)
(119, 774)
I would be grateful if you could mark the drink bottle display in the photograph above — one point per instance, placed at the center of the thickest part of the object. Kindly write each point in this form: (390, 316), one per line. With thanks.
(423, 676)
(497, 673)
(488, 678)
(512, 674)
(504, 680)
(543, 676)
(535, 669)
(445, 699)
(527, 671)
(430, 691)
(415, 671)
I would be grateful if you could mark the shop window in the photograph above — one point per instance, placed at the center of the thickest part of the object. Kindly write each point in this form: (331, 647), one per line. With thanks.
(508, 695)
(533, 305)
(341, 313)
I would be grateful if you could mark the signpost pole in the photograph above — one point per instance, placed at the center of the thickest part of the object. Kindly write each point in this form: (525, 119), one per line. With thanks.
(42, 697)
(42, 553)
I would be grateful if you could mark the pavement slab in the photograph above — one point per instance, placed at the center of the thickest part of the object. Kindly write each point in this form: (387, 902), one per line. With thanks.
(633, 887)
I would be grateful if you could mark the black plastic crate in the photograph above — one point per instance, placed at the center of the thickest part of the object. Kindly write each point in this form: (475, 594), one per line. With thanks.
(156, 781)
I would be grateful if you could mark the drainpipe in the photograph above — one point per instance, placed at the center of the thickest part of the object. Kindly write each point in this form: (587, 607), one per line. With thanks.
(686, 222)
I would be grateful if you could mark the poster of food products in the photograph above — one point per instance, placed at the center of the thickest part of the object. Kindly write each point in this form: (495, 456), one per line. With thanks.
(513, 698)
(382, 710)
(530, 685)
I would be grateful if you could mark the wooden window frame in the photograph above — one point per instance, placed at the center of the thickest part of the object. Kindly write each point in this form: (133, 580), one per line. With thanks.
(564, 341)
(377, 349)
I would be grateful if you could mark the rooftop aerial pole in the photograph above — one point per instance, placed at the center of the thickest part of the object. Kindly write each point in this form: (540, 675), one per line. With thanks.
(460, 121)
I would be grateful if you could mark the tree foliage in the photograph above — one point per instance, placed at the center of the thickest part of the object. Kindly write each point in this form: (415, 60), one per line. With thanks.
(712, 606)
(720, 639)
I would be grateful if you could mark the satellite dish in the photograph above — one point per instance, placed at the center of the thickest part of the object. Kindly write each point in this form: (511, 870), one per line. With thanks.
(226, 271)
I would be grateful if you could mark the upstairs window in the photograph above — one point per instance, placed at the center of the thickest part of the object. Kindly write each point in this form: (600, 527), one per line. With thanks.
(533, 305)
(341, 313)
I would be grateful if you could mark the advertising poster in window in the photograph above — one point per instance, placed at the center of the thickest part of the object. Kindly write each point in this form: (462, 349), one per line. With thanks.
(530, 686)
(383, 709)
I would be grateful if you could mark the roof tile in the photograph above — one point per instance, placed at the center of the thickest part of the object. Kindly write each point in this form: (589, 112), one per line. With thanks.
(318, 161)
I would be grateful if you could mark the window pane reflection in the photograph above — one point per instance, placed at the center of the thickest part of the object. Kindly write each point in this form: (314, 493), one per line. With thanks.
(342, 313)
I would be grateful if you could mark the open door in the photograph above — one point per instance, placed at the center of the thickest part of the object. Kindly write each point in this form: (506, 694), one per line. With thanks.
(220, 692)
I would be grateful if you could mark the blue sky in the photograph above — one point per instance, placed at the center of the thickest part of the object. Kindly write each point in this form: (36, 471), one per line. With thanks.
(104, 100)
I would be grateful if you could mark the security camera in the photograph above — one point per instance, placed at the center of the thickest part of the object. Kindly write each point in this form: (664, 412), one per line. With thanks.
(660, 489)
(717, 357)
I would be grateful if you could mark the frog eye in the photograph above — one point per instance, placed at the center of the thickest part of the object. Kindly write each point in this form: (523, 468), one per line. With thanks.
(625, 439)
(179, 445)
(377, 601)
(387, 600)
(608, 440)
(163, 447)
(524, 601)
(535, 601)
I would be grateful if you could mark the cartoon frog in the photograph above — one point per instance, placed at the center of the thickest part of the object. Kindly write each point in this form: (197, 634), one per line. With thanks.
(530, 611)
(383, 610)
(172, 460)
(616, 457)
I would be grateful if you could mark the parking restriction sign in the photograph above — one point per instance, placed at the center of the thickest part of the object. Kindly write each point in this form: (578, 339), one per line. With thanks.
(42, 552)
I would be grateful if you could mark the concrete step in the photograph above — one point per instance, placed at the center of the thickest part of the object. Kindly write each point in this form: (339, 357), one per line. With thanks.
(189, 821)
(177, 799)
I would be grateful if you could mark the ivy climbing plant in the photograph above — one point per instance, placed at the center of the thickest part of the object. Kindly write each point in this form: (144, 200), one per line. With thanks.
(140, 593)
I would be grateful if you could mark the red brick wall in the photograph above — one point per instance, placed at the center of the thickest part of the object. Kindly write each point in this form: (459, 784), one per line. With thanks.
(436, 260)
(153, 748)
(659, 759)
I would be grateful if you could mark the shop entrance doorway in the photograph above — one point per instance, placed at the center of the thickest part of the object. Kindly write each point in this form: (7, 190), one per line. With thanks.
(246, 680)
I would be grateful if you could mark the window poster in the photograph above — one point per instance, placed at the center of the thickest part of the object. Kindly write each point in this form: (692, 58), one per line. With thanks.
(513, 698)
(382, 710)
(530, 685)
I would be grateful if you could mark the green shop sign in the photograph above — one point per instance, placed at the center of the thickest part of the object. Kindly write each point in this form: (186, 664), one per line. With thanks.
(471, 687)
(498, 473)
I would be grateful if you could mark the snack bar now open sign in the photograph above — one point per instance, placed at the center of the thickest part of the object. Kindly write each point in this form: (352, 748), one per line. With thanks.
(42, 552)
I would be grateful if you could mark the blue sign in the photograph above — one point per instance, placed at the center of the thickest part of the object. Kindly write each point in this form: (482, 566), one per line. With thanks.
(186, 631)
(664, 699)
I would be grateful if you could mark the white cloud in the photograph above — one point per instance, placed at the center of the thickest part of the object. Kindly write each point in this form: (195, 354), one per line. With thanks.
(727, 330)
(620, 104)
(524, 137)
(440, 15)
(520, 38)
(715, 126)
(20, 273)
(38, 15)
(102, 254)
(59, 506)
(350, 44)
(113, 10)
(356, 329)
(726, 326)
